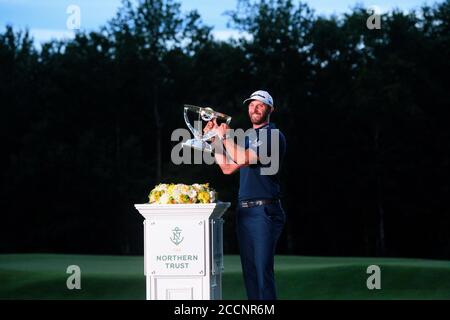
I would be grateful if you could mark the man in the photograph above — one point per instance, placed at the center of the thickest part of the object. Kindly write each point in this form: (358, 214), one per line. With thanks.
(260, 216)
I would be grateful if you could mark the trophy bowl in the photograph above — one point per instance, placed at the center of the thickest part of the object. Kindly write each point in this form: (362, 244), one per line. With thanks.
(200, 140)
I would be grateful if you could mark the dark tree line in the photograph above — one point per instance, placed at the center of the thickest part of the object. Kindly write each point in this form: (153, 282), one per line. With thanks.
(86, 125)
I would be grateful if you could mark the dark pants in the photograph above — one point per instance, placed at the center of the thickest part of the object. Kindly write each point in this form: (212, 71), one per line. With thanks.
(258, 230)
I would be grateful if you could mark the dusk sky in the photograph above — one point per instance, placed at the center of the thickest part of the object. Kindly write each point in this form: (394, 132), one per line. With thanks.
(46, 19)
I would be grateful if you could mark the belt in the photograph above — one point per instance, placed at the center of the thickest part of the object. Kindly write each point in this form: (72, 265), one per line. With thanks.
(254, 203)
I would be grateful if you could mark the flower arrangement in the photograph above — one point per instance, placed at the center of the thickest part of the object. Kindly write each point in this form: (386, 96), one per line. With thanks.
(179, 193)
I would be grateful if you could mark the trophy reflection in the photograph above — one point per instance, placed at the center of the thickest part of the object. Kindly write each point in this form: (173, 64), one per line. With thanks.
(200, 140)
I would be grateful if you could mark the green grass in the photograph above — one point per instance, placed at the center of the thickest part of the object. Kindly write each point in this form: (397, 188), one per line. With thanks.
(43, 276)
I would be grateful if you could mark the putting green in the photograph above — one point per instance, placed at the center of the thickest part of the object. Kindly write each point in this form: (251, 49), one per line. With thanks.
(43, 276)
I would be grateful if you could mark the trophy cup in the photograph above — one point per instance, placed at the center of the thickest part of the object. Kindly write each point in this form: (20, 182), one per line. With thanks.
(200, 141)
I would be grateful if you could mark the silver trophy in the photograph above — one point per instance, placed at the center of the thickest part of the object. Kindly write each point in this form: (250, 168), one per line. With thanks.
(200, 141)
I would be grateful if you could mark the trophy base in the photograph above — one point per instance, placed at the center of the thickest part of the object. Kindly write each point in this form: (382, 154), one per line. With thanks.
(198, 145)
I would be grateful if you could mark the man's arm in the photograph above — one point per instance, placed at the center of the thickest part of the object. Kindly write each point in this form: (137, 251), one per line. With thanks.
(224, 161)
(239, 155)
(229, 162)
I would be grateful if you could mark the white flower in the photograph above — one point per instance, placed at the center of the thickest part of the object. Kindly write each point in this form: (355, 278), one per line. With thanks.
(177, 191)
(161, 187)
(164, 199)
(192, 193)
(181, 193)
(185, 188)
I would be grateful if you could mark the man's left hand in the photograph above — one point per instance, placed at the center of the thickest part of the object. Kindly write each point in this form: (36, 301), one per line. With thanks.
(222, 130)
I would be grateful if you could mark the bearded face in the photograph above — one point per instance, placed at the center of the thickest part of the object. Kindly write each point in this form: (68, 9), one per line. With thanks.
(258, 112)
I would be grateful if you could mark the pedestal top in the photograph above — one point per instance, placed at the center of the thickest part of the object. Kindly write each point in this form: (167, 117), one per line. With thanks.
(213, 210)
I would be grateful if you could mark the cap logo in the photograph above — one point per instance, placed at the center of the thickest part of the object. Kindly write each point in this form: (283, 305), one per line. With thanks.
(259, 95)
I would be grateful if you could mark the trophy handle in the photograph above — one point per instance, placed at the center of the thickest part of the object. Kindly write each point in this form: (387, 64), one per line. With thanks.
(209, 114)
(206, 114)
(213, 133)
(194, 131)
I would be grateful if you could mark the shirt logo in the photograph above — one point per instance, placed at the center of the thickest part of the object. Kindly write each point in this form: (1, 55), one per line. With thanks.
(255, 143)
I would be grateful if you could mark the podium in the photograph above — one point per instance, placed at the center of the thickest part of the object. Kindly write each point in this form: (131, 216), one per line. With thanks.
(183, 250)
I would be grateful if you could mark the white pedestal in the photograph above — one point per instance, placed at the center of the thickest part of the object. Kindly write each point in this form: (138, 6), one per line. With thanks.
(183, 252)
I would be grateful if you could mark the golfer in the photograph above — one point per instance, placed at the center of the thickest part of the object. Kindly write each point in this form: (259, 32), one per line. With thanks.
(260, 216)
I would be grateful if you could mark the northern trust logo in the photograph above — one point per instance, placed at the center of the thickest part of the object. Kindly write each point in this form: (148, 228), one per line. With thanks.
(176, 236)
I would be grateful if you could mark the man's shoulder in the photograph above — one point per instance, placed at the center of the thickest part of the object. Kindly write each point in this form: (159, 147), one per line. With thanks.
(272, 126)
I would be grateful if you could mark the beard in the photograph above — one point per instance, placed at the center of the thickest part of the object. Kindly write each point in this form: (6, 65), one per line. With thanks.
(259, 117)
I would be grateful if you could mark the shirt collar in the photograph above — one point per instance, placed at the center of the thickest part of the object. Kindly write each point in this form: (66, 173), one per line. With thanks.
(270, 125)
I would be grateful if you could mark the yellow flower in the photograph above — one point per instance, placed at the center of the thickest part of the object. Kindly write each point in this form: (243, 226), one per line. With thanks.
(154, 196)
(181, 193)
(170, 188)
(203, 197)
(184, 198)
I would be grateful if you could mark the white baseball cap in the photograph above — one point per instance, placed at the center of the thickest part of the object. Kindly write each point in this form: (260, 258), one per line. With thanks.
(262, 96)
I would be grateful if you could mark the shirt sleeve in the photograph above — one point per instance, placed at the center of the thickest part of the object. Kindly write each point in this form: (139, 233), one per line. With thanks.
(263, 146)
(270, 141)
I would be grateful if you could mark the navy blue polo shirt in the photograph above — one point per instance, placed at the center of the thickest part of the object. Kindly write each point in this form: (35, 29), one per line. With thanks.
(261, 180)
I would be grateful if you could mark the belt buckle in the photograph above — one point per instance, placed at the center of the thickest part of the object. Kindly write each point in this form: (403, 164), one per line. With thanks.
(247, 204)
(251, 204)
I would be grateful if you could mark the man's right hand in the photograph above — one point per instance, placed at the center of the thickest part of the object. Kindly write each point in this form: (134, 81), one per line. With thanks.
(209, 126)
